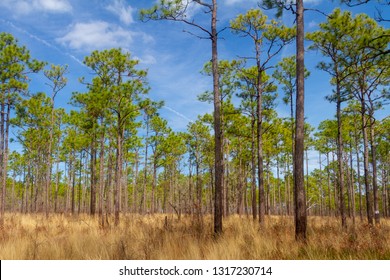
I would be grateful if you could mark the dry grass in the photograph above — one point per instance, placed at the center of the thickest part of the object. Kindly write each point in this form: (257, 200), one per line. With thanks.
(150, 237)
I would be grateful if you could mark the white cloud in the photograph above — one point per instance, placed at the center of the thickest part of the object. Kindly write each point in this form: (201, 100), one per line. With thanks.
(312, 24)
(125, 12)
(234, 2)
(24, 7)
(55, 6)
(99, 35)
(96, 35)
(314, 2)
(147, 59)
(240, 2)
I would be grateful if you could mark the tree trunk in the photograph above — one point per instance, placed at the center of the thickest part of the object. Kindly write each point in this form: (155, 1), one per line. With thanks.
(143, 198)
(101, 178)
(5, 164)
(358, 173)
(4, 161)
(154, 185)
(135, 182)
(299, 188)
(72, 172)
(226, 182)
(340, 158)
(93, 176)
(374, 170)
(280, 212)
(49, 161)
(2, 193)
(217, 125)
(328, 183)
(260, 168)
(198, 187)
(79, 196)
(240, 185)
(352, 183)
(365, 162)
(118, 173)
(57, 185)
(253, 179)
(320, 185)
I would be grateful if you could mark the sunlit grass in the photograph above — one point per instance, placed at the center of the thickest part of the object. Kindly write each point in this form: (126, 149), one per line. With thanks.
(166, 237)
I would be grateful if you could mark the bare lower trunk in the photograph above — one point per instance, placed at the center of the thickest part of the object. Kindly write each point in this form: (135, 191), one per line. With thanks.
(253, 179)
(374, 172)
(352, 184)
(93, 177)
(299, 188)
(5, 164)
(340, 160)
(101, 180)
(118, 174)
(260, 168)
(2, 168)
(366, 170)
(3, 174)
(358, 175)
(217, 126)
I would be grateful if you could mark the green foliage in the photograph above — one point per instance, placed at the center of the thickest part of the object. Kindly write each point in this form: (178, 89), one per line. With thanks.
(285, 74)
(166, 9)
(15, 65)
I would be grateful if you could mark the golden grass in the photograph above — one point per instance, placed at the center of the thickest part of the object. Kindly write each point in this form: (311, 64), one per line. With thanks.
(153, 237)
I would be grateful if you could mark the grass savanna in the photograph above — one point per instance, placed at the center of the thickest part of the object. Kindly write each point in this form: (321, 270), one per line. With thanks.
(144, 237)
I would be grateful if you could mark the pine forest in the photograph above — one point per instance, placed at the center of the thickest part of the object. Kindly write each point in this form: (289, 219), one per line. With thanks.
(106, 176)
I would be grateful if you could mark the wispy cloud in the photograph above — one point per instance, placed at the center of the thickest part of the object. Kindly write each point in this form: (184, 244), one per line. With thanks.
(42, 41)
(234, 2)
(146, 59)
(24, 7)
(123, 11)
(312, 24)
(314, 2)
(99, 35)
(177, 113)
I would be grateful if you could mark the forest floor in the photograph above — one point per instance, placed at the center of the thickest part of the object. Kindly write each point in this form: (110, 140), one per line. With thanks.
(166, 237)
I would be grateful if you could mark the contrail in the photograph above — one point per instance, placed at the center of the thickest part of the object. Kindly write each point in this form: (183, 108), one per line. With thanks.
(42, 41)
(178, 114)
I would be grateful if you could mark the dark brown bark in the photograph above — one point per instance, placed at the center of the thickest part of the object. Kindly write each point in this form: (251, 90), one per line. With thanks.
(101, 178)
(118, 172)
(352, 182)
(299, 188)
(357, 150)
(374, 170)
(240, 184)
(260, 164)
(253, 179)
(93, 177)
(72, 173)
(143, 198)
(217, 125)
(5, 163)
(227, 182)
(340, 156)
(2, 169)
(135, 182)
(365, 163)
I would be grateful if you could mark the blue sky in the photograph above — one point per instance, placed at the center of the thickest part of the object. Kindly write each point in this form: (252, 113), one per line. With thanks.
(65, 31)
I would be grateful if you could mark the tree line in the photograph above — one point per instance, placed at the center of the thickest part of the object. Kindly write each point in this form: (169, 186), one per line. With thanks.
(114, 153)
